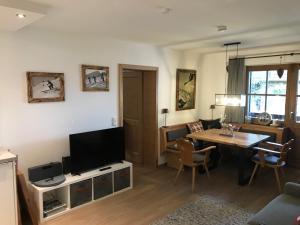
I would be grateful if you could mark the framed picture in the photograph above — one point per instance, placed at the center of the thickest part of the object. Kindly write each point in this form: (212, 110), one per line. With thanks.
(45, 87)
(185, 89)
(95, 78)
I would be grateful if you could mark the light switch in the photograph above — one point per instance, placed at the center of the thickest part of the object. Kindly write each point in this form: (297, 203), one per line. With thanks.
(113, 122)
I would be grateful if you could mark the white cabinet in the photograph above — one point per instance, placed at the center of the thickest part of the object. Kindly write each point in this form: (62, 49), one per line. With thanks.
(78, 191)
(8, 193)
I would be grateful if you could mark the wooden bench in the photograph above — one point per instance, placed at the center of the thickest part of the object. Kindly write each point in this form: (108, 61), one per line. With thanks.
(281, 133)
(171, 154)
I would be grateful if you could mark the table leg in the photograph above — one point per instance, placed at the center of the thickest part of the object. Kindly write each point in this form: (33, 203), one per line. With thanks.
(243, 179)
(215, 157)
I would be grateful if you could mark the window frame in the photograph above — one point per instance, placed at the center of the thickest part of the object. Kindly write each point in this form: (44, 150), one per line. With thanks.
(291, 119)
(265, 68)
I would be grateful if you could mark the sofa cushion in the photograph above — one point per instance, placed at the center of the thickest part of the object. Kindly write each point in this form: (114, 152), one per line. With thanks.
(195, 127)
(283, 210)
(176, 134)
(293, 189)
(211, 124)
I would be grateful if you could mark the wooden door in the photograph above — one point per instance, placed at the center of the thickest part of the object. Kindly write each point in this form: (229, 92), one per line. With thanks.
(149, 119)
(133, 115)
(292, 119)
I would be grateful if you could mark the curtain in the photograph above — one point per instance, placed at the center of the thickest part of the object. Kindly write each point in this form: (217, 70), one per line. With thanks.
(236, 85)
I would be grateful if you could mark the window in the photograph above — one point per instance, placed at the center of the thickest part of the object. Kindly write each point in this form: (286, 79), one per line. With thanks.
(267, 93)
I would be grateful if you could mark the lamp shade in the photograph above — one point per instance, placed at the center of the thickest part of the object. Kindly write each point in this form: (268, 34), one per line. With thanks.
(230, 100)
(280, 72)
(164, 111)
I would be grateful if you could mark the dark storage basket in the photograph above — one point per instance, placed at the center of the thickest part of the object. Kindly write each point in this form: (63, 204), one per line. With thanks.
(103, 185)
(122, 179)
(81, 192)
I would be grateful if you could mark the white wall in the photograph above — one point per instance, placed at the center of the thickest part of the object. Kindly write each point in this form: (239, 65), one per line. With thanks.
(212, 72)
(38, 132)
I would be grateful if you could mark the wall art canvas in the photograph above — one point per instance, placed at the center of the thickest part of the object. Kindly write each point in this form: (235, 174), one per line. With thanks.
(185, 89)
(45, 87)
(95, 78)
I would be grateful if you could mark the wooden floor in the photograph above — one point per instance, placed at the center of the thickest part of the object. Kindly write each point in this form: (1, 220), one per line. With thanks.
(154, 195)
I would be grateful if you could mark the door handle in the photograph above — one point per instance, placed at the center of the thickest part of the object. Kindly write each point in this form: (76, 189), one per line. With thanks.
(292, 115)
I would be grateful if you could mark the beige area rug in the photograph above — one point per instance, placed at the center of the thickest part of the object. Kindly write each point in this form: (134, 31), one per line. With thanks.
(207, 210)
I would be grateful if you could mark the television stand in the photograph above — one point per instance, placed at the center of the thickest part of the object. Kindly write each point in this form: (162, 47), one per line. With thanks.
(77, 191)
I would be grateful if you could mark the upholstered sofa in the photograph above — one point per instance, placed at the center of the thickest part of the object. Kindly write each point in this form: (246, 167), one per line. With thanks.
(283, 210)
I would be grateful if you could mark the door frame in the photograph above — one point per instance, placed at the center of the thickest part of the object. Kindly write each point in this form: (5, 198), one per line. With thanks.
(120, 88)
(292, 95)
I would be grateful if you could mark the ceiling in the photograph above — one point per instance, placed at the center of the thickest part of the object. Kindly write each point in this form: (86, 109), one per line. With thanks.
(9, 10)
(190, 24)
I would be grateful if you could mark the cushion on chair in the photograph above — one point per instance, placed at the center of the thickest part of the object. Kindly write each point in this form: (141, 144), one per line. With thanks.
(198, 145)
(195, 127)
(172, 146)
(198, 157)
(270, 159)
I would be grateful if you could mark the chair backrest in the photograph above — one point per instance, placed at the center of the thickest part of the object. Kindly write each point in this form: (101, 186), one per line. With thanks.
(285, 148)
(186, 149)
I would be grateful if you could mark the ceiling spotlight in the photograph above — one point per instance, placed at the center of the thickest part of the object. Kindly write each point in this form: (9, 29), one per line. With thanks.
(222, 28)
(21, 15)
(163, 10)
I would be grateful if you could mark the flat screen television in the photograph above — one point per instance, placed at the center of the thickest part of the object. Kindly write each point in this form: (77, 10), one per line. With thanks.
(95, 149)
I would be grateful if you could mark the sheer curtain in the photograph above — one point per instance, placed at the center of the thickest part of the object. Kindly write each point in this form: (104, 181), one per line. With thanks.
(236, 85)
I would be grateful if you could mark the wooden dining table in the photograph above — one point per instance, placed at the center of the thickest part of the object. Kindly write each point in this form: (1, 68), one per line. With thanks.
(242, 142)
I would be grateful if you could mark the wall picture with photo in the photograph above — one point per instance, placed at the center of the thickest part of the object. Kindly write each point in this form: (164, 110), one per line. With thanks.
(95, 78)
(45, 87)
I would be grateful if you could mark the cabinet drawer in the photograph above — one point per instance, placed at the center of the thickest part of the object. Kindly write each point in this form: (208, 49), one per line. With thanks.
(103, 185)
(81, 192)
(122, 179)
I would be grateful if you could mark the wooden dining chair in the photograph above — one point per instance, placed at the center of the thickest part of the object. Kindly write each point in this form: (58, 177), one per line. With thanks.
(192, 158)
(272, 155)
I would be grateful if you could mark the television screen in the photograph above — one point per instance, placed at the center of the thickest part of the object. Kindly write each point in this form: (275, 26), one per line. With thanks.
(91, 150)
